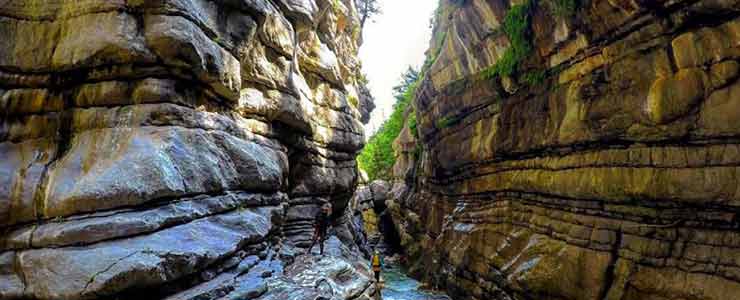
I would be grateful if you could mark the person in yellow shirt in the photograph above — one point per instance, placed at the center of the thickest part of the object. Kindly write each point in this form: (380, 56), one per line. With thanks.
(377, 264)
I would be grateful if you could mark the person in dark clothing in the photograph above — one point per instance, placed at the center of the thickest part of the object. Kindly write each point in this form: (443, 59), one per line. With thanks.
(321, 226)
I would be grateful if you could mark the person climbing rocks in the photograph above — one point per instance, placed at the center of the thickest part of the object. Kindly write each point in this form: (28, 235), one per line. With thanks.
(321, 226)
(377, 264)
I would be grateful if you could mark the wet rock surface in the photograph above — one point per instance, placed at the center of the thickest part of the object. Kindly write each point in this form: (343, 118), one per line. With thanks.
(611, 177)
(177, 149)
(290, 274)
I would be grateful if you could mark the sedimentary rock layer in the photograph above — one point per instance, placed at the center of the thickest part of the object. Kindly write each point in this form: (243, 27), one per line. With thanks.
(169, 145)
(606, 167)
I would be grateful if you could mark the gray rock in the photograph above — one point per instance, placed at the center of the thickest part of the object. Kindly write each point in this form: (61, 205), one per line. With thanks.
(301, 10)
(116, 225)
(336, 275)
(96, 172)
(363, 197)
(380, 190)
(183, 45)
(367, 104)
(70, 273)
(11, 284)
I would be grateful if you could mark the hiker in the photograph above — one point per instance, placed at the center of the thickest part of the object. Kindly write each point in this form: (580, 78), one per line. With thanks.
(377, 264)
(321, 226)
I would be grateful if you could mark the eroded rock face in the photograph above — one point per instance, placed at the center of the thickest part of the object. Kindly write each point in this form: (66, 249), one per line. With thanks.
(369, 202)
(173, 145)
(615, 177)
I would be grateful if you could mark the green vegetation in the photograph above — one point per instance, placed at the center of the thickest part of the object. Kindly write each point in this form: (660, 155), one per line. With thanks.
(362, 78)
(436, 50)
(516, 26)
(417, 151)
(336, 6)
(439, 36)
(534, 77)
(446, 122)
(354, 101)
(412, 123)
(378, 157)
(414, 127)
(367, 10)
(408, 80)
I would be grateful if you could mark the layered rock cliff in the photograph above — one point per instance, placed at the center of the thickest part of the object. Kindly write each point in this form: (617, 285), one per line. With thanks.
(577, 150)
(178, 149)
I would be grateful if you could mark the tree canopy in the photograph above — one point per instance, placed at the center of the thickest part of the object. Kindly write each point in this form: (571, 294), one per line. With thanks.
(378, 156)
(408, 78)
(367, 9)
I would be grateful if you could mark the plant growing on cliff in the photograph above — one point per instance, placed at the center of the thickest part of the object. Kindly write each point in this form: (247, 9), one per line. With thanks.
(535, 77)
(354, 101)
(414, 127)
(336, 6)
(445, 122)
(516, 26)
(412, 123)
(435, 51)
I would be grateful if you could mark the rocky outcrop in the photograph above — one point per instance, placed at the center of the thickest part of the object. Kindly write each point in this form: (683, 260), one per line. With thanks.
(369, 205)
(605, 167)
(177, 149)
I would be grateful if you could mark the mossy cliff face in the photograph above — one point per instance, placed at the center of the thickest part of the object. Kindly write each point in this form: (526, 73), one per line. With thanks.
(176, 148)
(604, 166)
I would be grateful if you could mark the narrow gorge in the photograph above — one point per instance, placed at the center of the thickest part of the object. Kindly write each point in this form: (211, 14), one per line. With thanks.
(546, 149)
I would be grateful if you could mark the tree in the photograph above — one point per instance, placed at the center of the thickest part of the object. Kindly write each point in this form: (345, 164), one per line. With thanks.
(367, 9)
(378, 156)
(407, 79)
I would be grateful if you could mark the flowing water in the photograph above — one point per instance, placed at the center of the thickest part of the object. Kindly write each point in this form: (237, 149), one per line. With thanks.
(398, 286)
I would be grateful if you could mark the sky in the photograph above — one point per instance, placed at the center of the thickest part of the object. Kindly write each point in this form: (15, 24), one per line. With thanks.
(392, 42)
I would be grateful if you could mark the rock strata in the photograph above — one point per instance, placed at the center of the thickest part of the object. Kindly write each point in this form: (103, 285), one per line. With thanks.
(371, 209)
(604, 167)
(176, 149)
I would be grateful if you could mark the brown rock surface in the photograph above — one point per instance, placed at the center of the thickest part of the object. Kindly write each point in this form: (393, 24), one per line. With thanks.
(615, 177)
(177, 148)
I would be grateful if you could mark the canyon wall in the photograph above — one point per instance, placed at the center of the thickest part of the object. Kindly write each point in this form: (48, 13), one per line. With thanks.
(178, 149)
(604, 167)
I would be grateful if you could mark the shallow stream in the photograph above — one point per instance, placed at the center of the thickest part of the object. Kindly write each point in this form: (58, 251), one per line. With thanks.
(398, 286)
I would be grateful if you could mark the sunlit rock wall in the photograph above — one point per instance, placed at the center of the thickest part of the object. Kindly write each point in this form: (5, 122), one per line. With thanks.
(615, 176)
(151, 147)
